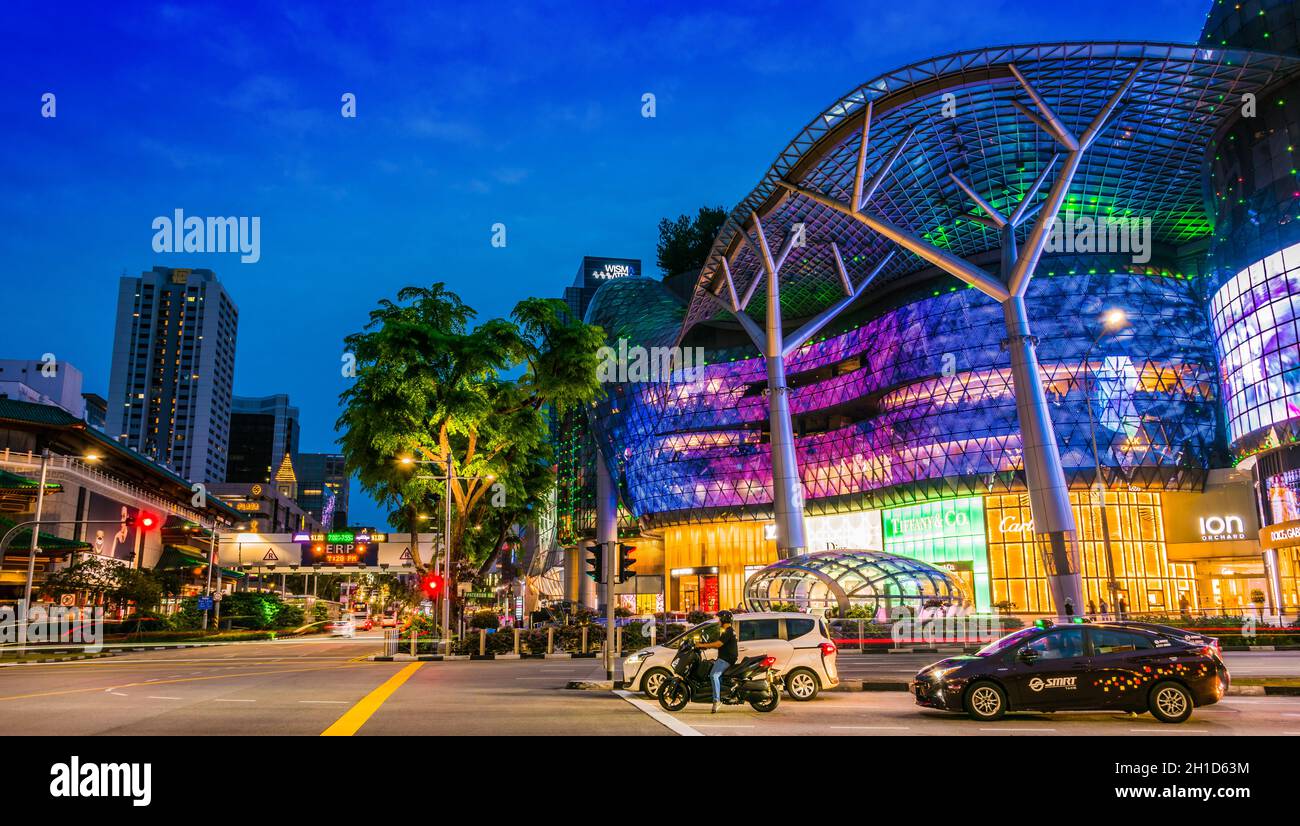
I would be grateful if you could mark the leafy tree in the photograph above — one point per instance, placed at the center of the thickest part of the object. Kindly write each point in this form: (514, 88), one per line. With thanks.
(684, 243)
(430, 386)
(117, 584)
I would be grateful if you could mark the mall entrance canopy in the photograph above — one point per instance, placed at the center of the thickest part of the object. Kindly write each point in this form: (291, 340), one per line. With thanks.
(836, 581)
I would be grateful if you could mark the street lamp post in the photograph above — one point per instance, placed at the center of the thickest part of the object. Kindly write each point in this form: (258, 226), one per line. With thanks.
(1113, 321)
(31, 552)
(212, 551)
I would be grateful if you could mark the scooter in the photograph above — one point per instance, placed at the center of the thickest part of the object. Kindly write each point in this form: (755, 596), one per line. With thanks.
(753, 680)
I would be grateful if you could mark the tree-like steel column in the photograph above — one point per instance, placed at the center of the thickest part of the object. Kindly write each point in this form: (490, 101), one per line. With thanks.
(1044, 474)
(776, 347)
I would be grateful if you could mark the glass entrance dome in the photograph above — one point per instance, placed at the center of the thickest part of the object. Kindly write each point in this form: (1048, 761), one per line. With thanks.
(843, 579)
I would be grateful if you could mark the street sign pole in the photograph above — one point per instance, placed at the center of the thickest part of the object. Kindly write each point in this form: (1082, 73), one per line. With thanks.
(212, 552)
(611, 566)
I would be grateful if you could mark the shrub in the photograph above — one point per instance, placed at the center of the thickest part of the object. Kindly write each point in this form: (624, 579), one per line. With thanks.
(485, 619)
(697, 617)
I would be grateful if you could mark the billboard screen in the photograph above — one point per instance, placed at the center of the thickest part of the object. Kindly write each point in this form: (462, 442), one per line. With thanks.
(113, 537)
(1254, 315)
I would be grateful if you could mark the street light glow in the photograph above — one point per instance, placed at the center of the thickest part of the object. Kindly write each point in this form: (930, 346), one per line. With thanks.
(1115, 318)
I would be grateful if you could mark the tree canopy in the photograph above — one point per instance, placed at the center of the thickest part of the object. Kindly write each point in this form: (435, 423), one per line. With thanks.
(684, 242)
(433, 387)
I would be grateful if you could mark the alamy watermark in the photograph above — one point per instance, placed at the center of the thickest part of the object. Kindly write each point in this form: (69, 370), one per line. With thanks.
(56, 624)
(1073, 233)
(953, 625)
(633, 364)
(176, 233)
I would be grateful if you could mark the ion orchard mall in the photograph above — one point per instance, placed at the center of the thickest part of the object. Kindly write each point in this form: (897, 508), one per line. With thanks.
(918, 387)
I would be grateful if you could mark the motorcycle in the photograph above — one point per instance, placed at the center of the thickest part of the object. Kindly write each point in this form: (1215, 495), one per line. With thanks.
(753, 680)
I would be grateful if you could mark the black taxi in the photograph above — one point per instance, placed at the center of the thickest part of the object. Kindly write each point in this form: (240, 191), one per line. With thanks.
(1078, 666)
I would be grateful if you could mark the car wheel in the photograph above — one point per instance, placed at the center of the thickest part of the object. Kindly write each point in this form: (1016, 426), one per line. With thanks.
(674, 695)
(1170, 702)
(985, 701)
(802, 685)
(654, 679)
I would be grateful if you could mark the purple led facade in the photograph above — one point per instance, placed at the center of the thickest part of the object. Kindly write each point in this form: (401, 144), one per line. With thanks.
(922, 393)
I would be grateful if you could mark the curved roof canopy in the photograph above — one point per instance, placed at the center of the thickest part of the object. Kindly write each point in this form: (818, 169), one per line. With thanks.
(840, 580)
(968, 117)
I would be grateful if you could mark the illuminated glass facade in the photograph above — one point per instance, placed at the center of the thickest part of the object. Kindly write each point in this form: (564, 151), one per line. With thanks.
(1255, 315)
(916, 402)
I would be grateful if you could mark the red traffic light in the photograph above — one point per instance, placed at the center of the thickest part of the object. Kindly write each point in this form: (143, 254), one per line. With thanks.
(144, 521)
(431, 585)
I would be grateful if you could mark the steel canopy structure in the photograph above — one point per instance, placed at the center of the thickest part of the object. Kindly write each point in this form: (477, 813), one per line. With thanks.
(1148, 165)
(962, 164)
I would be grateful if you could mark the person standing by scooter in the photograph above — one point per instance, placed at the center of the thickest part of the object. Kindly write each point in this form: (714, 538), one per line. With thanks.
(727, 655)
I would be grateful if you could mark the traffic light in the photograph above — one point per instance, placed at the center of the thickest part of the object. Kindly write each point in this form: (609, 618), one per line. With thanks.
(626, 559)
(431, 585)
(596, 562)
(143, 520)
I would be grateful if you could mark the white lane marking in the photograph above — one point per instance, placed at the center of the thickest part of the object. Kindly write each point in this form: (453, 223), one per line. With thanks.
(1001, 728)
(872, 728)
(117, 694)
(326, 702)
(718, 725)
(158, 697)
(659, 716)
(234, 701)
(1170, 730)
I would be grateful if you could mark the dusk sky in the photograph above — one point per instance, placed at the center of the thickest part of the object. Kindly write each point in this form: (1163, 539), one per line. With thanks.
(467, 115)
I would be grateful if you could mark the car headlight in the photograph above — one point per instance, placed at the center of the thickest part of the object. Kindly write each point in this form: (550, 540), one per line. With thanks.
(636, 658)
(939, 673)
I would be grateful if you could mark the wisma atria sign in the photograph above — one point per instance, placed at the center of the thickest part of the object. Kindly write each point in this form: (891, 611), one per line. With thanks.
(596, 271)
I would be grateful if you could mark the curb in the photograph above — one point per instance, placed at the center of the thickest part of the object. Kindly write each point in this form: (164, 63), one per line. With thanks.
(881, 685)
(557, 656)
(67, 659)
(593, 685)
(482, 656)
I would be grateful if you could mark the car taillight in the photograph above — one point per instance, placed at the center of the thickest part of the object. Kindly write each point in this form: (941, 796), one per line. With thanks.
(1208, 651)
(768, 662)
(828, 648)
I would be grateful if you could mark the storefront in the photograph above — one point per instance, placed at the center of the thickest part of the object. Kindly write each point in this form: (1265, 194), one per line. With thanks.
(949, 534)
(1280, 544)
(1217, 531)
(1138, 560)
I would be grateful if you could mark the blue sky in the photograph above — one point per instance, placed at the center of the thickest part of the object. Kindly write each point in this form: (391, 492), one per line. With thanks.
(467, 115)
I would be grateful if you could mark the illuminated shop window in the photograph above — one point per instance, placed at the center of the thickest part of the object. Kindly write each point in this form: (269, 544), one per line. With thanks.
(1148, 580)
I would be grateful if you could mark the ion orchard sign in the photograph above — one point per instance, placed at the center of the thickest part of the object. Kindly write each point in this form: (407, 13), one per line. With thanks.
(1222, 528)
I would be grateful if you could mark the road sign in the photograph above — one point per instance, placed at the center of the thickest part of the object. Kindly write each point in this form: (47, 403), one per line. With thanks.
(205, 603)
(270, 556)
(67, 600)
(406, 556)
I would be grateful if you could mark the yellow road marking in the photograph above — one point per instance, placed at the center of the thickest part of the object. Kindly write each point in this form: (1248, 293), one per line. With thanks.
(356, 717)
(166, 682)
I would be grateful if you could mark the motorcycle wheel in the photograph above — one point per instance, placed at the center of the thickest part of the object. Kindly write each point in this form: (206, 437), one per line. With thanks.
(769, 704)
(674, 695)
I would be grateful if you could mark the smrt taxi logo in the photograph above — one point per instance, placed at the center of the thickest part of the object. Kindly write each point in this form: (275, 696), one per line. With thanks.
(1038, 683)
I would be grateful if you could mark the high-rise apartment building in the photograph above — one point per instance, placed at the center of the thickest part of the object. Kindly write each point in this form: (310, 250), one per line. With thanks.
(173, 370)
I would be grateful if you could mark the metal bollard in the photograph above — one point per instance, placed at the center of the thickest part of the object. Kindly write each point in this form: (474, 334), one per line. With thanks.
(618, 641)
(584, 638)
(482, 641)
(550, 640)
(516, 642)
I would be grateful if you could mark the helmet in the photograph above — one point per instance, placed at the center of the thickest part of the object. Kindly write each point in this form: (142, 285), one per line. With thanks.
(724, 616)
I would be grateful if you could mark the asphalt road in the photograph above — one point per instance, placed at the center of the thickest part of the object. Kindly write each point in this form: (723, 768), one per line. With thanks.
(305, 688)
(317, 686)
